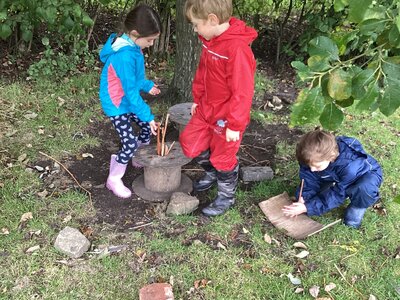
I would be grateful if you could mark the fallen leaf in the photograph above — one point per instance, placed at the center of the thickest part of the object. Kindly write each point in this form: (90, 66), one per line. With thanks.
(201, 283)
(330, 287)
(22, 157)
(298, 290)
(302, 254)
(299, 245)
(245, 230)
(221, 246)
(267, 238)
(314, 291)
(86, 155)
(5, 231)
(32, 249)
(42, 194)
(25, 217)
(30, 116)
(87, 231)
(293, 280)
(372, 297)
(324, 298)
(67, 219)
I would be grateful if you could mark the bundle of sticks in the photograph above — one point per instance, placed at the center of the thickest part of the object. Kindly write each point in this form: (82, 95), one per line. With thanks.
(162, 147)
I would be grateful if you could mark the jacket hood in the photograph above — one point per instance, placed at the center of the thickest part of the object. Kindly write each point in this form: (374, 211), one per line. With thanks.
(238, 30)
(116, 44)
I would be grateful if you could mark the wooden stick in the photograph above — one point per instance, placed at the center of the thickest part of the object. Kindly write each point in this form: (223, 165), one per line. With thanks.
(164, 132)
(169, 149)
(344, 278)
(158, 139)
(325, 227)
(73, 177)
(301, 188)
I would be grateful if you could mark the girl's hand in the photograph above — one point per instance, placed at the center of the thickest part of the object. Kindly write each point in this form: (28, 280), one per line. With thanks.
(232, 136)
(153, 127)
(154, 90)
(294, 209)
(193, 109)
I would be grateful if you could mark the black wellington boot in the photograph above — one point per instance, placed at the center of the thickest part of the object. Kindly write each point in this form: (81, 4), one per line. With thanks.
(210, 177)
(227, 184)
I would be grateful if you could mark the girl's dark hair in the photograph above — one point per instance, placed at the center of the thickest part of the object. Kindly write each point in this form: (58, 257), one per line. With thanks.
(144, 20)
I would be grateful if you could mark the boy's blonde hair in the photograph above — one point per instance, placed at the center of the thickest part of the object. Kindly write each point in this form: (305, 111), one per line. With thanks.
(317, 146)
(200, 9)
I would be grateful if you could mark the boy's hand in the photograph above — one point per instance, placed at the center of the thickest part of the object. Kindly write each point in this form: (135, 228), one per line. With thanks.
(295, 209)
(232, 136)
(153, 127)
(193, 109)
(154, 90)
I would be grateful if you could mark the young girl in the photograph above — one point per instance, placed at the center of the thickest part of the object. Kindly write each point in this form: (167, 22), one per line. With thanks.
(122, 80)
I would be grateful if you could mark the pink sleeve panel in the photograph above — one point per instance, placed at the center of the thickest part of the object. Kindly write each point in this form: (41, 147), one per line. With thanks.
(114, 86)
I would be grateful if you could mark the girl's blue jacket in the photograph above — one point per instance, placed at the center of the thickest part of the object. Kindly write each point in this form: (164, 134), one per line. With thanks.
(123, 78)
(350, 165)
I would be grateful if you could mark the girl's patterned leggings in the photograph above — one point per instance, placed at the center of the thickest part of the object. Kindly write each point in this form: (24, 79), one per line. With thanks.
(130, 141)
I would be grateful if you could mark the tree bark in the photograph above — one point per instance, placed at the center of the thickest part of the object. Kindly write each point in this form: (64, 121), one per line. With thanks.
(186, 60)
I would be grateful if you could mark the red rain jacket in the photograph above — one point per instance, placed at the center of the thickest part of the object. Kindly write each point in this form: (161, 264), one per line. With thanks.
(223, 86)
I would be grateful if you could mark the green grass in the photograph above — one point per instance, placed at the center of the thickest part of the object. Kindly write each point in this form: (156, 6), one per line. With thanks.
(357, 261)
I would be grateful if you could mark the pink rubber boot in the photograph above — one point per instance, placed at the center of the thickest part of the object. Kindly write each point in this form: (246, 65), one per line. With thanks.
(114, 182)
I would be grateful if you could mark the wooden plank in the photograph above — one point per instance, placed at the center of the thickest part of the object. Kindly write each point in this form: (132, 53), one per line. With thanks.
(298, 227)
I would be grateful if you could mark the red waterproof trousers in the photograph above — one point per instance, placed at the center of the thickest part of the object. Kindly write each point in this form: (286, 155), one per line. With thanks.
(199, 136)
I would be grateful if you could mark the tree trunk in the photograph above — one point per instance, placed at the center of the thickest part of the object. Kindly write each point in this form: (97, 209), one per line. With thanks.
(186, 59)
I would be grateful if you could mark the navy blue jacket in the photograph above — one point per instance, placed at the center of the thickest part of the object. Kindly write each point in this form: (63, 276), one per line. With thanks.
(351, 164)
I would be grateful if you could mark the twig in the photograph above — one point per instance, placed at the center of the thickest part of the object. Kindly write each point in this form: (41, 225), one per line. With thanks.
(164, 132)
(195, 170)
(169, 149)
(259, 162)
(73, 177)
(158, 139)
(301, 188)
(255, 147)
(140, 226)
(255, 159)
(325, 227)
(344, 278)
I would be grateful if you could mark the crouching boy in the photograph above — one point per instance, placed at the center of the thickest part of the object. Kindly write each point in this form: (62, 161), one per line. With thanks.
(333, 169)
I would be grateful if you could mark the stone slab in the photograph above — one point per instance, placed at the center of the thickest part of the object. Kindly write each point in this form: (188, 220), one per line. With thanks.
(299, 227)
(248, 174)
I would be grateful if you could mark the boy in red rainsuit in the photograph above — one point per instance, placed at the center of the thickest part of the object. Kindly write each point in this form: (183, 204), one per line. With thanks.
(222, 89)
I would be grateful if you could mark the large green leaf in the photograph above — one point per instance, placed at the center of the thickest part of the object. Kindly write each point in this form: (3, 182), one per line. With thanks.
(339, 85)
(308, 106)
(5, 31)
(391, 97)
(331, 117)
(398, 22)
(87, 21)
(339, 5)
(394, 37)
(357, 9)
(360, 82)
(325, 47)
(372, 26)
(369, 98)
(318, 63)
(302, 70)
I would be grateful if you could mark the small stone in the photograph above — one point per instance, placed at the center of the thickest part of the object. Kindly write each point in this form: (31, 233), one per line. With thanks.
(248, 174)
(156, 291)
(181, 204)
(72, 242)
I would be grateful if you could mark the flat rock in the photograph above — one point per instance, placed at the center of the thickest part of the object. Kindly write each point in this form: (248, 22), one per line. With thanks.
(71, 242)
(156, 291)
(181, 204)
(248, 174)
